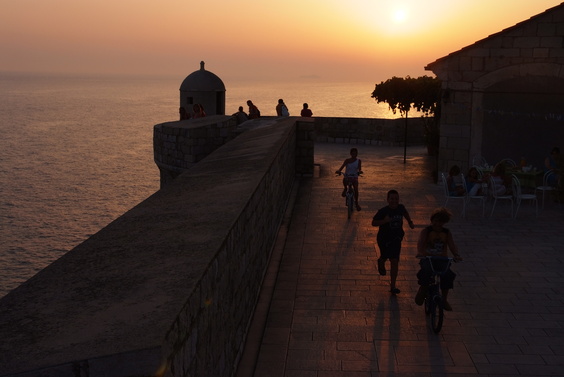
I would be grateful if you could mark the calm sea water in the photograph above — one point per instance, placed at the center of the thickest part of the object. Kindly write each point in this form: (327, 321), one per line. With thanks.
(76, 153)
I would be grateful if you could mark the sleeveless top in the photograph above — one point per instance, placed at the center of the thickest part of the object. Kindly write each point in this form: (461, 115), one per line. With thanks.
(351, 170)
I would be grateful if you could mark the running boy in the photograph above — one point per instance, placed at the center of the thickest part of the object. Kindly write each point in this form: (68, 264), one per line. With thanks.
(353, 170)
(436, 240)
(390, 235)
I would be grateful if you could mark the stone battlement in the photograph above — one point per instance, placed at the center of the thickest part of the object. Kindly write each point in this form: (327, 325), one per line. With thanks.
(170, 285)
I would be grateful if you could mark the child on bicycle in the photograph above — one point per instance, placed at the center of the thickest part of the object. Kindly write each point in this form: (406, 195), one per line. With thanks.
(352, 171)
(390, 235)
(436, 240)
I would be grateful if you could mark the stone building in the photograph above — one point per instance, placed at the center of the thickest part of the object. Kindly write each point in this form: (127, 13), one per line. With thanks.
(205, 88)
(503, 96)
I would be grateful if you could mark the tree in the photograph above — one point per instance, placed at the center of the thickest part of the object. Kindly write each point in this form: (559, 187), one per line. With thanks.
(403, 94)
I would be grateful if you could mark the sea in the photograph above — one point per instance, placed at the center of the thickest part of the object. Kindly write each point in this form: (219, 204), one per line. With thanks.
(76, 152)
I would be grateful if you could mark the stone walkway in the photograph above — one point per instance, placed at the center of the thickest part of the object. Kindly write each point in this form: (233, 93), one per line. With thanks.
(326, 312)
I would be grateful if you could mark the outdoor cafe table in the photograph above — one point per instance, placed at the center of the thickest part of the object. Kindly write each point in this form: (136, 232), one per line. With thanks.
(529, 180)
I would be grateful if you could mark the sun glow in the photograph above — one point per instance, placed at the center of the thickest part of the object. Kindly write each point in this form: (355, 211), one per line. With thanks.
(399, 15)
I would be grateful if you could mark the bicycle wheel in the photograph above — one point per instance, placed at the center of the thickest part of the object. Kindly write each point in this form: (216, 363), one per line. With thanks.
(349, 205)
(431, 292)
(436, 314)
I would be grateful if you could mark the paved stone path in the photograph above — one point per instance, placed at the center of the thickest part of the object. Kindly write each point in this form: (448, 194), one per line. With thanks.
(326, 312)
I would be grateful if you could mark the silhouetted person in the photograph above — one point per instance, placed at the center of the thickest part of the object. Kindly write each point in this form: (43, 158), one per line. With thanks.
(254, 112)
(389, 219)
(199, 111)
(353, 168)
(282, 109)
(241, 116)
(306, 112)
(184, 114)
(435, 240)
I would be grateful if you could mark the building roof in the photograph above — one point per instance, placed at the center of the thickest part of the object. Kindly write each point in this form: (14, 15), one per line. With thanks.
(506, 30)
(202, 81)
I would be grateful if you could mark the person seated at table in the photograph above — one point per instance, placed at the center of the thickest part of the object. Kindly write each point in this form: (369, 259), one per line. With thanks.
(455, 188)
(553, 162)
(473, 182)
(501, 179)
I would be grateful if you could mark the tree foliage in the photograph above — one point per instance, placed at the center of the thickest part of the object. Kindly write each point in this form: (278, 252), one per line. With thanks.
(422, 93)
(403, 94)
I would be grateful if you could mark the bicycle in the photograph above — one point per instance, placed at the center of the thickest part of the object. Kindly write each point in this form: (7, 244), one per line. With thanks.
(349, 196)
(434, 306)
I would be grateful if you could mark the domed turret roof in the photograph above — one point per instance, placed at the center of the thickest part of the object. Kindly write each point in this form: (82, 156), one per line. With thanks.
(202, 80)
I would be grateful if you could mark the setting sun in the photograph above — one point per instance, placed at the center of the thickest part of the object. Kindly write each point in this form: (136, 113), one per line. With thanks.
(399, 15)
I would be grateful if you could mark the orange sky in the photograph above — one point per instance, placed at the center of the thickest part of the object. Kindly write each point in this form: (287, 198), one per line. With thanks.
(335, 40)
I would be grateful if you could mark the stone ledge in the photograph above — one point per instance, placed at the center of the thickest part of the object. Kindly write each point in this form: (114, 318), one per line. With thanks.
(142, 282)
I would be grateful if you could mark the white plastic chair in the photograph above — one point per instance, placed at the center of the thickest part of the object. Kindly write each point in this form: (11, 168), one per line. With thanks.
(481, 198)
(453, 197)
(480, 170)
(519, 196)
(545, 185)
(493, 190)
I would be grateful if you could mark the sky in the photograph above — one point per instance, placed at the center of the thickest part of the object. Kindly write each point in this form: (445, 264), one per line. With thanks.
(329, 40)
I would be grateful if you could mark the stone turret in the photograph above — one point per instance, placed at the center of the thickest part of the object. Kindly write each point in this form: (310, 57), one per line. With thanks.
(205, 88)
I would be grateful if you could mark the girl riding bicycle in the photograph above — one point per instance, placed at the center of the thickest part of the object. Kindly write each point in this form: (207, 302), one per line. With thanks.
(436, 240)
(353, 170)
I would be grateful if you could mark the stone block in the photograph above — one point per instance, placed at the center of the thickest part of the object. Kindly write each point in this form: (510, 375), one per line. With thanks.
(555, 42)
(540, 52)
(479, 51)
(506, 53)
(477, 64)
(546, 29)
(557, 53)
(527, 42)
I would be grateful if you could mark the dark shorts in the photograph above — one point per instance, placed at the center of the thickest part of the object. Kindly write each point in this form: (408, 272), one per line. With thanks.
(425, 274)
(352, 179)
(390, 248)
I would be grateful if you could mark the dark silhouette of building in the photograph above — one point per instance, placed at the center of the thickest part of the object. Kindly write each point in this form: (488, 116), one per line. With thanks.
(205, 88)
(503, 95)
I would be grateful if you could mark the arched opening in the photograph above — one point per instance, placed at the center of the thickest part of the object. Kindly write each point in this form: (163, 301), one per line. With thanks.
(523, 117)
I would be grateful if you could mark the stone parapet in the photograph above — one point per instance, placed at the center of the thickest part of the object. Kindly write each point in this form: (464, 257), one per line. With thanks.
(372, 131)
(178, 145)
(171, 285)
(305, 141)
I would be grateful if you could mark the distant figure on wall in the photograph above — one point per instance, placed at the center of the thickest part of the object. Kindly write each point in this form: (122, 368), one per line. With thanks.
(306, 112)
(184, 114)
(282, 109)
(254, 112)
(241, 116)
(199, 111)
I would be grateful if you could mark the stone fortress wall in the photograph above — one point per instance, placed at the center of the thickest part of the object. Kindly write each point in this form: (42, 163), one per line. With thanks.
(179, 145)
(172, 284)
